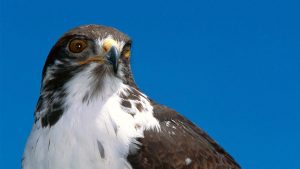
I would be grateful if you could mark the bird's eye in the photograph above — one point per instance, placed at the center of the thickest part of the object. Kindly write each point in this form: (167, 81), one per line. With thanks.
(77, 45)
(126, 52)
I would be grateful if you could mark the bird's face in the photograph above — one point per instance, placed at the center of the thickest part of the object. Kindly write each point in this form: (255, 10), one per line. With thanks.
(104, 51)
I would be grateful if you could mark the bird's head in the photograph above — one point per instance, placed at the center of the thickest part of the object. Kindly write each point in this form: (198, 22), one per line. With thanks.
(103, 51)
(85, 67)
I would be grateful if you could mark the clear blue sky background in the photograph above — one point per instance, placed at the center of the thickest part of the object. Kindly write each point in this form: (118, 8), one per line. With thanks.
(232, 67)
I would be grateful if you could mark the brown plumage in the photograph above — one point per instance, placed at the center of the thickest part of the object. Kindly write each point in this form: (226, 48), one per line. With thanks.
(179, 145)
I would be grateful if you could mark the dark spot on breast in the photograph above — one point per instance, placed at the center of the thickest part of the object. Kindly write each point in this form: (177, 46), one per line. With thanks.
(114, 125)
(48, 144)
(139, 106)
(131, 95)
(101, 149)
(123, 96)
(131, 113)
(137, 126)
(85, 97)
(115, 129)
(126, 103)
(36, 142)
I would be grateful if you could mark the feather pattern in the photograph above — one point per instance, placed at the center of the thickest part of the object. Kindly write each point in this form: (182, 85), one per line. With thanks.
(91, 114)
(86, 128)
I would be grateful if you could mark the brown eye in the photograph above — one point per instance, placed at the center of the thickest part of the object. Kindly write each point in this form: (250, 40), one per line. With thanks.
(126, 51)
(77, 45)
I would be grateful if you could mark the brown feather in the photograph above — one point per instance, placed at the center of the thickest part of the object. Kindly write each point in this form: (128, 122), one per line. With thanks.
(179, 145)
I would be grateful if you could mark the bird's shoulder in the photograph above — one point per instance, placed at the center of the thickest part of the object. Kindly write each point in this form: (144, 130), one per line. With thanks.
(179, 144)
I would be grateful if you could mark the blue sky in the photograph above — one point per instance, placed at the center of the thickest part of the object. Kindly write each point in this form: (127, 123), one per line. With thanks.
(232, 67)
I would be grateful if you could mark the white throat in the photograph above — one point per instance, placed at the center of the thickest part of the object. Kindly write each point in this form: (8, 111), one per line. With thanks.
(95, 134)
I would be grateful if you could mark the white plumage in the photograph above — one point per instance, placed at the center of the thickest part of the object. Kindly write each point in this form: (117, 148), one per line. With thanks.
(91, 115)
(73, 141)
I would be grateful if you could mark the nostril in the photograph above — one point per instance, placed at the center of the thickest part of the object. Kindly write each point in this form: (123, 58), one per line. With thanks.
(105, 48)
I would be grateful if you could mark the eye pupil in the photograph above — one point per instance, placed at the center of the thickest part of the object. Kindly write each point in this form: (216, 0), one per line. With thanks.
(78, 46)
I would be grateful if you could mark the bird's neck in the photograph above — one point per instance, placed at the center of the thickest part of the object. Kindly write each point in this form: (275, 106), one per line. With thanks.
(100, 126)
(85, 91)
(114, 97)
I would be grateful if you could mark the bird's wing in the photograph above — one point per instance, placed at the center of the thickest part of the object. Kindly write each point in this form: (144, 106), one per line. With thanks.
(179, 145)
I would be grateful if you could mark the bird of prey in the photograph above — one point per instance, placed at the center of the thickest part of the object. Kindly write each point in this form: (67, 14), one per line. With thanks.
(91, 115)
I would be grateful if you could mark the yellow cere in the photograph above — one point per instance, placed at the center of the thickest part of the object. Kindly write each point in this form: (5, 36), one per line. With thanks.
(108, 43)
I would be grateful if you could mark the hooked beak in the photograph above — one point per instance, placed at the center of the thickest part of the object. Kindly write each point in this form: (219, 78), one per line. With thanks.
(113, 56)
